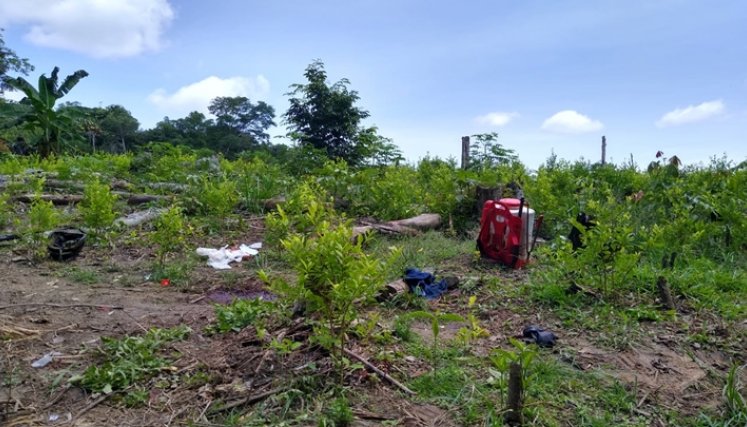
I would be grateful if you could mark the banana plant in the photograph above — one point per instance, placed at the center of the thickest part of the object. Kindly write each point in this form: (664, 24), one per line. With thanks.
(42, 99)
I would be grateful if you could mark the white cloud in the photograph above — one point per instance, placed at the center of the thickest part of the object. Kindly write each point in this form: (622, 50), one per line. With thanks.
(496, 118)
(569, 121)
(197, 96)
(98, 28)
(692, 113)
(13, 95)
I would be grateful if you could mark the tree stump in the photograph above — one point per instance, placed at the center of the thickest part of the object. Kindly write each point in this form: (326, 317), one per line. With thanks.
(514, 402)
(483, 194)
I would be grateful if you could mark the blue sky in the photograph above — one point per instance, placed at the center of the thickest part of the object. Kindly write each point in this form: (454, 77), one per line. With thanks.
(548, 76)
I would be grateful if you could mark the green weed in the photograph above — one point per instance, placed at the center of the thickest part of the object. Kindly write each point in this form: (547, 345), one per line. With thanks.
(129, 360)
(239, 314)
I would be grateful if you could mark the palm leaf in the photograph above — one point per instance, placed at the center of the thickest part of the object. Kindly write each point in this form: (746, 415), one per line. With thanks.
(45, 91)
(70, 82)
(19, 83)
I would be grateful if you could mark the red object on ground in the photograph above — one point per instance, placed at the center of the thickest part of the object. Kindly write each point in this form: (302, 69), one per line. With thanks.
(500, 232)
(165, 282)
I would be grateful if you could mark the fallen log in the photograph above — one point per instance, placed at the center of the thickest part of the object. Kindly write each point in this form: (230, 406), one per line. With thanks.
(56, 199)
(273, 203)
(171, 186)
(136, 218)
(408, 226)
(70, 199)
(426, 221)
(139, 199)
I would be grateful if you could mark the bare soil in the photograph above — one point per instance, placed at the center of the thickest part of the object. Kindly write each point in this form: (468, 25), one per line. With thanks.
(43, 310)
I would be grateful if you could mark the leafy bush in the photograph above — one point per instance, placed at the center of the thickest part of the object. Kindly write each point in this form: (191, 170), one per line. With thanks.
(307, 206)
(97, 208)
(169, 234)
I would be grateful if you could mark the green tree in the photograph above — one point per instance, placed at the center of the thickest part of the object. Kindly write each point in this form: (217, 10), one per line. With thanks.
(486, 152)
(325, 117)
(243, 117)
(118, 128)
(44, 116)
(10, 62)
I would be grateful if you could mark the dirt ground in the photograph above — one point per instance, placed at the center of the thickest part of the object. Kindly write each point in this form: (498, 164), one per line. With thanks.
(43, 310)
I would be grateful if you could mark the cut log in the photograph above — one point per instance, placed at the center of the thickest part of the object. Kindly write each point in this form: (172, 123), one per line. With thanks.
(409, 226)
(171, 186)
(69, 199)
(273, 203)
(138, 199)
(427, 221)
(56, 199)
(393, 289)
(136, 218)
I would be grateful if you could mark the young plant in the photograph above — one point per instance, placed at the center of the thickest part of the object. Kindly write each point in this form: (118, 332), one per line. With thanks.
(97, 208)
(5, 212)
(473, 331)
(170, 234)
(42, 217)
(436, 319)
(239, 314)
(215, 199)
(334, 277)
(522, 355)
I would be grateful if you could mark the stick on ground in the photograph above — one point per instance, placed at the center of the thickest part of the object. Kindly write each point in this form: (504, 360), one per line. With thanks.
(379, 372)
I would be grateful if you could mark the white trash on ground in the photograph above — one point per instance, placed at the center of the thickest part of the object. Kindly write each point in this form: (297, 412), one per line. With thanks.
(45, 360)
(220, 258)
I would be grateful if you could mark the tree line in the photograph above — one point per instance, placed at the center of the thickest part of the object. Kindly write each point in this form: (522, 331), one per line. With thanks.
(323, 119)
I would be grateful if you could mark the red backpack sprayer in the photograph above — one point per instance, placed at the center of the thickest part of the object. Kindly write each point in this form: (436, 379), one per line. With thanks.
(507, 227)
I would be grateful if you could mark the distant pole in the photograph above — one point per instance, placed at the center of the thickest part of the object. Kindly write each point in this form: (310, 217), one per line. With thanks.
(604, 149)
(465, 152)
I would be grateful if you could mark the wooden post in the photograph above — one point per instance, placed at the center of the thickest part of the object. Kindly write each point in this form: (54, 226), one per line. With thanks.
(604, 149)
(465, 152)
(513, 416)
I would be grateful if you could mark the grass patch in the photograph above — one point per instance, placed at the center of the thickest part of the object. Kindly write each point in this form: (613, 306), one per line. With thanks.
(82, 275)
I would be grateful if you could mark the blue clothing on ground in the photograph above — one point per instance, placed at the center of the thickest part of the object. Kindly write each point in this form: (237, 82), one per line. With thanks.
(424, 284)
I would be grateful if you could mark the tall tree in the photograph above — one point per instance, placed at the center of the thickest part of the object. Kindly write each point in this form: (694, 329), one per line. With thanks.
(118, 127)
(243, 117)
(43, 115)
(324, 115)
(10, 62)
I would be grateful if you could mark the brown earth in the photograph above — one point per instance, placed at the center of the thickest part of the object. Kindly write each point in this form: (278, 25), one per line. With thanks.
(42, 310)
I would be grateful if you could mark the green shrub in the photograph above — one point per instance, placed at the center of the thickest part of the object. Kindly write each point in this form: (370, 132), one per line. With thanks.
(333, 274)
(170, 233)
(97, 208)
